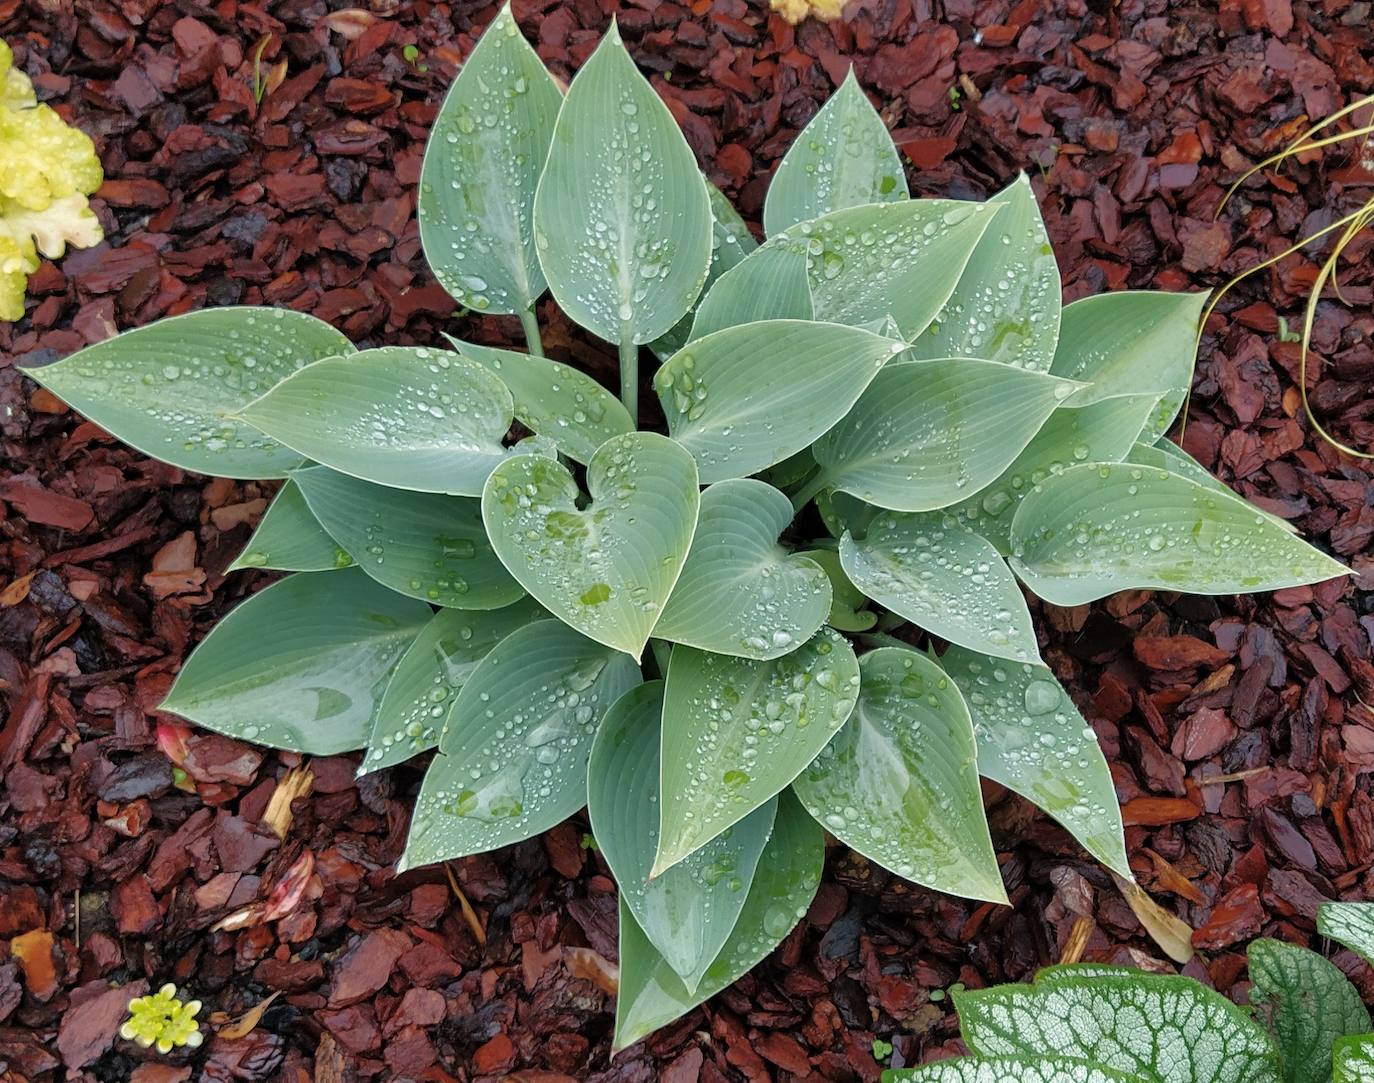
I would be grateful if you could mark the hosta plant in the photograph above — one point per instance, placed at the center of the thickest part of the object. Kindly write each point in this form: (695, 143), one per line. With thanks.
(876, 421)
(1090, 1023)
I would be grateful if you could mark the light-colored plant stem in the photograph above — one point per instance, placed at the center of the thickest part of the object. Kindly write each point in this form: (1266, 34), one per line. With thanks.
(629, 376)
(530, 323)
(810, 487)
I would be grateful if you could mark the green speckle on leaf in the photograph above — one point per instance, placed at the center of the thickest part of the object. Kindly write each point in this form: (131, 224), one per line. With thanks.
(595, 594)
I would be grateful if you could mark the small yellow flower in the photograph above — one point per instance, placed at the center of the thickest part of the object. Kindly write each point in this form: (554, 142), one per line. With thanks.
(161, 1020)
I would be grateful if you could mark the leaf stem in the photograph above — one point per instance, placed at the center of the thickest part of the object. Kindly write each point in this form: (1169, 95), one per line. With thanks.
(810, 487)
(629, 375)
(530, 323)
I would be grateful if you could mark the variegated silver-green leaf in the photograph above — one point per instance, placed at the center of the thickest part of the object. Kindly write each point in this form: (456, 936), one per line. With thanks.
(290, 539)
(1351, 924)
(844, 157)
(1353, 1060)
(482, 163)
(771, 284)
(1023, 1069)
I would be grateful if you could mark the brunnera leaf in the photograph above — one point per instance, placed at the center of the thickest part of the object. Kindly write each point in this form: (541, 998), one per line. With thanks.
(622, 220)
(405, 416)
(899, 782)
(844, 157)
(301, 665)
(290, 539)
(741, 592)
(1351, 924)
(482, 163)
(1353, 1060)
(1023, 1069)
(688, 911)
(513, 752)
(784, 884)
(424, 545)
(1100, 528)
(606, 569)
(174, 388)
(737, 731)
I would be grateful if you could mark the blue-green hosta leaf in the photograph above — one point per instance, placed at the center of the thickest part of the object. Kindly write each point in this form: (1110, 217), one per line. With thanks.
(929, 433)
(1306, 1003)
(290, 539)
(737, 731)
(1162, 1029)
(405, 416)
(1098, 528)
(1351, 924)
(1006, 306)
(431, 671)
(1164, 454)
(1025, 1069)
(1353, 1060)
(513, 752)
(847, 602)
(771, 284)
(171, 389)
(1131, 342)
(688, 911)
(606, 569)
(899, 783)
(1101, 433)
(749, 396)
(554, 399)
(843, 511)
(621, 218)
(943, 579)
(301, 665)
(844, 157)
(1032, 739)
(888, 259)
(731, 241)
(741, 592)
(785, 882)
(482, 163)
(425, 545)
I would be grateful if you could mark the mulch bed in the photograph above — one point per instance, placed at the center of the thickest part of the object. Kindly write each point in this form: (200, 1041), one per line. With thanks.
(1239, 730)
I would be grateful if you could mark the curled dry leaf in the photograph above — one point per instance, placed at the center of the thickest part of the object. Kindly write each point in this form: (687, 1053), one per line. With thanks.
(594, 967)
(474, 923)
(297, 782)
(1170, 932)
(248, 1021)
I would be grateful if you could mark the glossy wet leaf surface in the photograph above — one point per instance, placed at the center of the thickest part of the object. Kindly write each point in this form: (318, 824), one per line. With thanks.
(606, 569)
(943, 579)
(170, 389)
(737, 731)
(301, 665)
(1097, 529)
(622, 218)
(424, 545)
(290, 539)
(848, 612)
(428, 676)
(785, 882)
(899, 783)
(747, 397)
(741, 592)
(1164, 454)
(688, 911)
(482, 163)
(1032, 739)
(772, 284)
(513, 753)
(842, 158)
(926, 434)
(405, 416)
(1024, 1069)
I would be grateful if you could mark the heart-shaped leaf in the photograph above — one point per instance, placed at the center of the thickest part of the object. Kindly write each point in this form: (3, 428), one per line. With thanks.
(1024, 1069)
(943, 579)
(689, 911)
(736, 732)
(899, 783)
(430, 673)
(1351, 924)
(842, 158)
(554, 399)
(171, 389)
(290, 539)
(847, 603)
(741, 592)
(301, 665)
(513, 751)
(785, 882)
(1032, 739)
(621, 218)
(771, 284)
(1006, 306)
(1100, 528)
(424, 545)
(929, 433)
(405, 416)
(608, 569)
(749, 396)
(482, 162)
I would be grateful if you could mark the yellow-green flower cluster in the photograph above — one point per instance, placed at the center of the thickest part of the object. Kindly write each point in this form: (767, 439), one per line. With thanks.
(161, 1020)
(46, 171)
